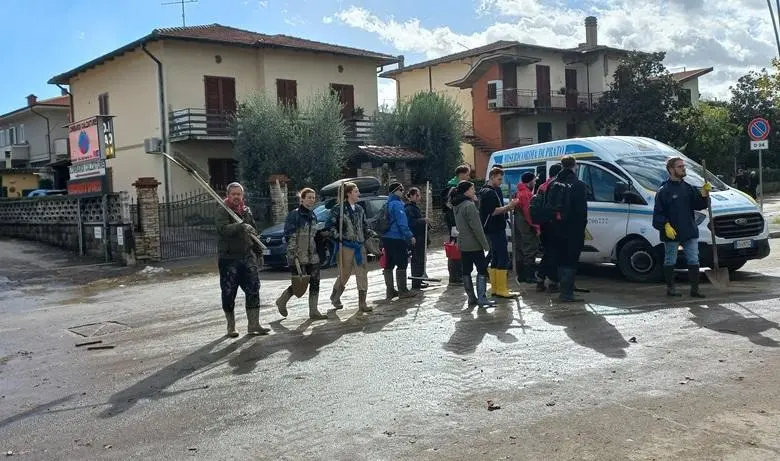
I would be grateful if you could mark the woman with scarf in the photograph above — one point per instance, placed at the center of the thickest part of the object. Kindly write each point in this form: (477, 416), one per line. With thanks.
(238, 261)
(300, 228)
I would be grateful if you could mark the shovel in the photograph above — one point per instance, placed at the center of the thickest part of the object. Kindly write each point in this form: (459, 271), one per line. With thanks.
(425, 277)
(299, 282)
(718, 276)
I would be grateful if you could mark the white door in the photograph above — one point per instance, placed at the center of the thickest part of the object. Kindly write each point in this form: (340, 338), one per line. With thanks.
(607, 214)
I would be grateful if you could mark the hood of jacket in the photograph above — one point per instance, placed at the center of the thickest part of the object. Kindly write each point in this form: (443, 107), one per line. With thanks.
(453, 182)
(459, 199)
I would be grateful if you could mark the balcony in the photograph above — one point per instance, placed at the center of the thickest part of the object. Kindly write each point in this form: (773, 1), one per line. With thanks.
(532, 100)
(197, 124)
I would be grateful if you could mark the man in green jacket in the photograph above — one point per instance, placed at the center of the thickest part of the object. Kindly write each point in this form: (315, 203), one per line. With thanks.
(238, 261)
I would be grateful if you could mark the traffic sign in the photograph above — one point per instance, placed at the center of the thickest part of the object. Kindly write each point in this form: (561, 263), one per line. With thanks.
(759, 145)
(758, 129)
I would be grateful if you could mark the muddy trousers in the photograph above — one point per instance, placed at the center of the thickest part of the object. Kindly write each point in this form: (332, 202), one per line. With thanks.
(239, 273)
(350, 266)
(313, 270)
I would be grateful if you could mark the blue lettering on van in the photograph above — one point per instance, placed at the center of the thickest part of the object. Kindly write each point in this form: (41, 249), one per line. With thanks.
(519, 156)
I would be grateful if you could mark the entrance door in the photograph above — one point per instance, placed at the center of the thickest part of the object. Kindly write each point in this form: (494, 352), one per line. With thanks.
(220, 102)
(571, 88)
(543, 90)
(346, 94)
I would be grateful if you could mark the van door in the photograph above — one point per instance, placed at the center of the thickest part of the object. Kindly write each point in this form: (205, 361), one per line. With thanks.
(607, 214)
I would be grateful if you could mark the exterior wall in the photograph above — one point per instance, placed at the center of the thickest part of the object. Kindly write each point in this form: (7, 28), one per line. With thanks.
(18, 182)
(186, 63)
(609, 70)
(526, 75)
(315, 72)
(35, 130)
(199, 153)
(487, 124)
(131, 83)
(693, 86)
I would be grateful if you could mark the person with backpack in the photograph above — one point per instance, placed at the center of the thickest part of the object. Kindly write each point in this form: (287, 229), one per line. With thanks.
(453, 265)
(472, 243)
(417, 224)
(529, 232)
(673, 217)
(396, 237)
(548, 266)
(566, 197)
(493, 215)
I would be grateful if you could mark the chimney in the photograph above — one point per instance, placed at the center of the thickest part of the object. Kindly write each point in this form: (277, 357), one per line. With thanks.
(31, 100)
(400, 61)
(591, 31)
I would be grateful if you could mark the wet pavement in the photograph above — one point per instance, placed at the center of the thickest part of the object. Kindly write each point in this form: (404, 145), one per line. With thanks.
(628, 375)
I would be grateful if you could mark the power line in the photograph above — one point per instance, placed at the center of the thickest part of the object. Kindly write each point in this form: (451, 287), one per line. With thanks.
(181, 2)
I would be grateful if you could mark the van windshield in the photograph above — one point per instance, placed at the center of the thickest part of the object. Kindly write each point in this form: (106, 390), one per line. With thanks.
(650, 172)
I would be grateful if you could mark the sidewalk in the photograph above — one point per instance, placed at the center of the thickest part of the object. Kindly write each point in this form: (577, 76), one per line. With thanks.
(772, 214)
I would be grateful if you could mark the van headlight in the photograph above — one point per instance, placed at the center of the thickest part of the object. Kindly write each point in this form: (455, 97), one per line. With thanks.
(700, 217)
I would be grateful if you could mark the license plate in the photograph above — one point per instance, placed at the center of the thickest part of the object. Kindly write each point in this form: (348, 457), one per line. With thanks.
(266, 252)
(742, 244)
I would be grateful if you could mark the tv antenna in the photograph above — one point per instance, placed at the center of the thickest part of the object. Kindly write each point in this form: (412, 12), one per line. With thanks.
(181, 2)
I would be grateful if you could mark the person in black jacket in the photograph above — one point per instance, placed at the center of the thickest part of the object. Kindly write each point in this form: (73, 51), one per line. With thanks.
(568, 227)
(673, 216)
(493, 216)
(453, 266)
(417, 224)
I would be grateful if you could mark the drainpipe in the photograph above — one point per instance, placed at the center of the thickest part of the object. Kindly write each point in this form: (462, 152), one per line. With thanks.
(163, 131)
(70, 97)
(48, 130)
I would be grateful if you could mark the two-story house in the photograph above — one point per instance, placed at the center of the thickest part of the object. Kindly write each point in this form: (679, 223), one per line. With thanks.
(182, 84)
(516, 94)
(34, 137)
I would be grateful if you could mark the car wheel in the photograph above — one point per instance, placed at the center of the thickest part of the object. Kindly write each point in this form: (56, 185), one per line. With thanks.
(638, 262)
(735, 267)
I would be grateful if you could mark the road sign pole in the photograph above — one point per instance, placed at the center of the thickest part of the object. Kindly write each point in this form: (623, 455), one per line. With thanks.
(761, 179)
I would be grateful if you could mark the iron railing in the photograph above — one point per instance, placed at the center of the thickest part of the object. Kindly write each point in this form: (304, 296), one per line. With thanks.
(514, 98)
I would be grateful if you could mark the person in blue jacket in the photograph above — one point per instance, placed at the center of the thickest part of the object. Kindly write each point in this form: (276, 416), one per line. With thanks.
(673, 216)
(396, 242)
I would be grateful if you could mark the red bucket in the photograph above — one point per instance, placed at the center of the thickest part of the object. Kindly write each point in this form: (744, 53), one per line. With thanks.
(451, 250)
(383, 259)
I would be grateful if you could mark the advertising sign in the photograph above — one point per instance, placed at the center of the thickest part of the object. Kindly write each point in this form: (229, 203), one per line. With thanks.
(90, 186)
(89, 169)
(91, 143)
(84, 140)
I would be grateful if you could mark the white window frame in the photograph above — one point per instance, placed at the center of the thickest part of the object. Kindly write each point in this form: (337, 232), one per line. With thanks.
(20, 139)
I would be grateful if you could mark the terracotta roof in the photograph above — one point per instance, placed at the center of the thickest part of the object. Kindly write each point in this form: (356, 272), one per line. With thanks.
(498, 46)
(391, 153)
(56, 101)
(686, 75)
(217, 33)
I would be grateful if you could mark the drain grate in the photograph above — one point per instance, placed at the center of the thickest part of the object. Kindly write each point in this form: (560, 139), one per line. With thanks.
(91, 330)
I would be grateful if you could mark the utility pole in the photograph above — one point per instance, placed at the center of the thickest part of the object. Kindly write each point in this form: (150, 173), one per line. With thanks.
(181, 2)
(774, 24)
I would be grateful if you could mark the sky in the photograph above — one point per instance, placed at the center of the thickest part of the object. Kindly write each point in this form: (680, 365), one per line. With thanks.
(52, 36)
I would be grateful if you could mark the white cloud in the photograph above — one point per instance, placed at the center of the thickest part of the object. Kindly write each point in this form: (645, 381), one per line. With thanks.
(733, 36)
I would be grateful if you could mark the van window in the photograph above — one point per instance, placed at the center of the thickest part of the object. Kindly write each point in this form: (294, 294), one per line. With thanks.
(601, 183)
(650, 172)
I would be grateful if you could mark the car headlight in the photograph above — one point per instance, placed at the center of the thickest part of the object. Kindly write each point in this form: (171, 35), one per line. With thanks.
(700, 217)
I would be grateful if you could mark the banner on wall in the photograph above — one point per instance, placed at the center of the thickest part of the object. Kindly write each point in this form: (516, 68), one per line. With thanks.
(91, 143)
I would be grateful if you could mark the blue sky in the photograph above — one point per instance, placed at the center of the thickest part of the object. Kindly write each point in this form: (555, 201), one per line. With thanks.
(53, 36)
(60, 35)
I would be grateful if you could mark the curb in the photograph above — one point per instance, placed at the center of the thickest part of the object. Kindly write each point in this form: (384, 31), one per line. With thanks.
(774, 234)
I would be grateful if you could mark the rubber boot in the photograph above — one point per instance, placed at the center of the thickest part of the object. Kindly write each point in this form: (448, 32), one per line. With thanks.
(454, 269)
(482, 298)
(530, 273)
(253, 319)
(693, 276)
(281, 302)
(669, 277)
(335, 296)
(231, 324)
(540, 287)
(362, 304)
(493, 282)
(501, 284)
(390, 292)
(403, 290)
(520, 272)
(566, 276)
(468, 285)
(553, 287)
(314, 314)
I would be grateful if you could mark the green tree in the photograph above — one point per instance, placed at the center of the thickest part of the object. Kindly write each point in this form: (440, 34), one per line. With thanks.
(431, 123)
(709, 134)
(306, 144)
(642, 100)
(756, 94)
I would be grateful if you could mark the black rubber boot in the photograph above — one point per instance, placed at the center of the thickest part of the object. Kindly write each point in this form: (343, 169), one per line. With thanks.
(454, 269)
(693, 276)
(390, 292)
(468, 285)
(567, 285)
(669, 277)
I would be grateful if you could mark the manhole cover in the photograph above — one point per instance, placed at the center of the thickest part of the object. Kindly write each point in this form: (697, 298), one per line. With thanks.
(98, 329)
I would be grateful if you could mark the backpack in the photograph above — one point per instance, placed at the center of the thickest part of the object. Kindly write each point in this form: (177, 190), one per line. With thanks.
(539, 214)
(551, 202)
(382, 223)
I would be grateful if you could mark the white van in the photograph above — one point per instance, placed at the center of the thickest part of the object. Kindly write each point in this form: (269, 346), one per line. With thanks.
(623, 174)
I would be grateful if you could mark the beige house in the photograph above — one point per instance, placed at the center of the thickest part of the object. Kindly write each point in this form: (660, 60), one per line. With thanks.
(181, 84)
(516, 94)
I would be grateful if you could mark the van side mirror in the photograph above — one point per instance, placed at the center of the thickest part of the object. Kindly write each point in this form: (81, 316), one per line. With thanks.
(620, 190)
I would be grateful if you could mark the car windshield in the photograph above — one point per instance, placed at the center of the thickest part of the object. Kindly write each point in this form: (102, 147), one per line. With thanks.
(650, 172)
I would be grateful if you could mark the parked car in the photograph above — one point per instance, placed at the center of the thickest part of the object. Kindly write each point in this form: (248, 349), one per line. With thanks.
(273, 237)
(45, 192)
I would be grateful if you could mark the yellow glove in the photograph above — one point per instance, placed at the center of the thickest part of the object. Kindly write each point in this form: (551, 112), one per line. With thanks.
(670, 232)
(705, 190)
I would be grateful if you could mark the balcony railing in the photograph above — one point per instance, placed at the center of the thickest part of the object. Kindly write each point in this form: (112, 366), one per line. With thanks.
(198, 124)
(532, 99)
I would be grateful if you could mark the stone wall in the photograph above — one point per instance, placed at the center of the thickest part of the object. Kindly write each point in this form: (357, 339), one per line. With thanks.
(90, 226)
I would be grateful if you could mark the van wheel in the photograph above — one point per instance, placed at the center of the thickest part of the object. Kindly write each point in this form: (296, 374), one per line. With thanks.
(735, 267)
(638, 262)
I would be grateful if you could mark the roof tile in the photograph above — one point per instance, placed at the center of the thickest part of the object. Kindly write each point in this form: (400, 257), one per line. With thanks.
(391, 153)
